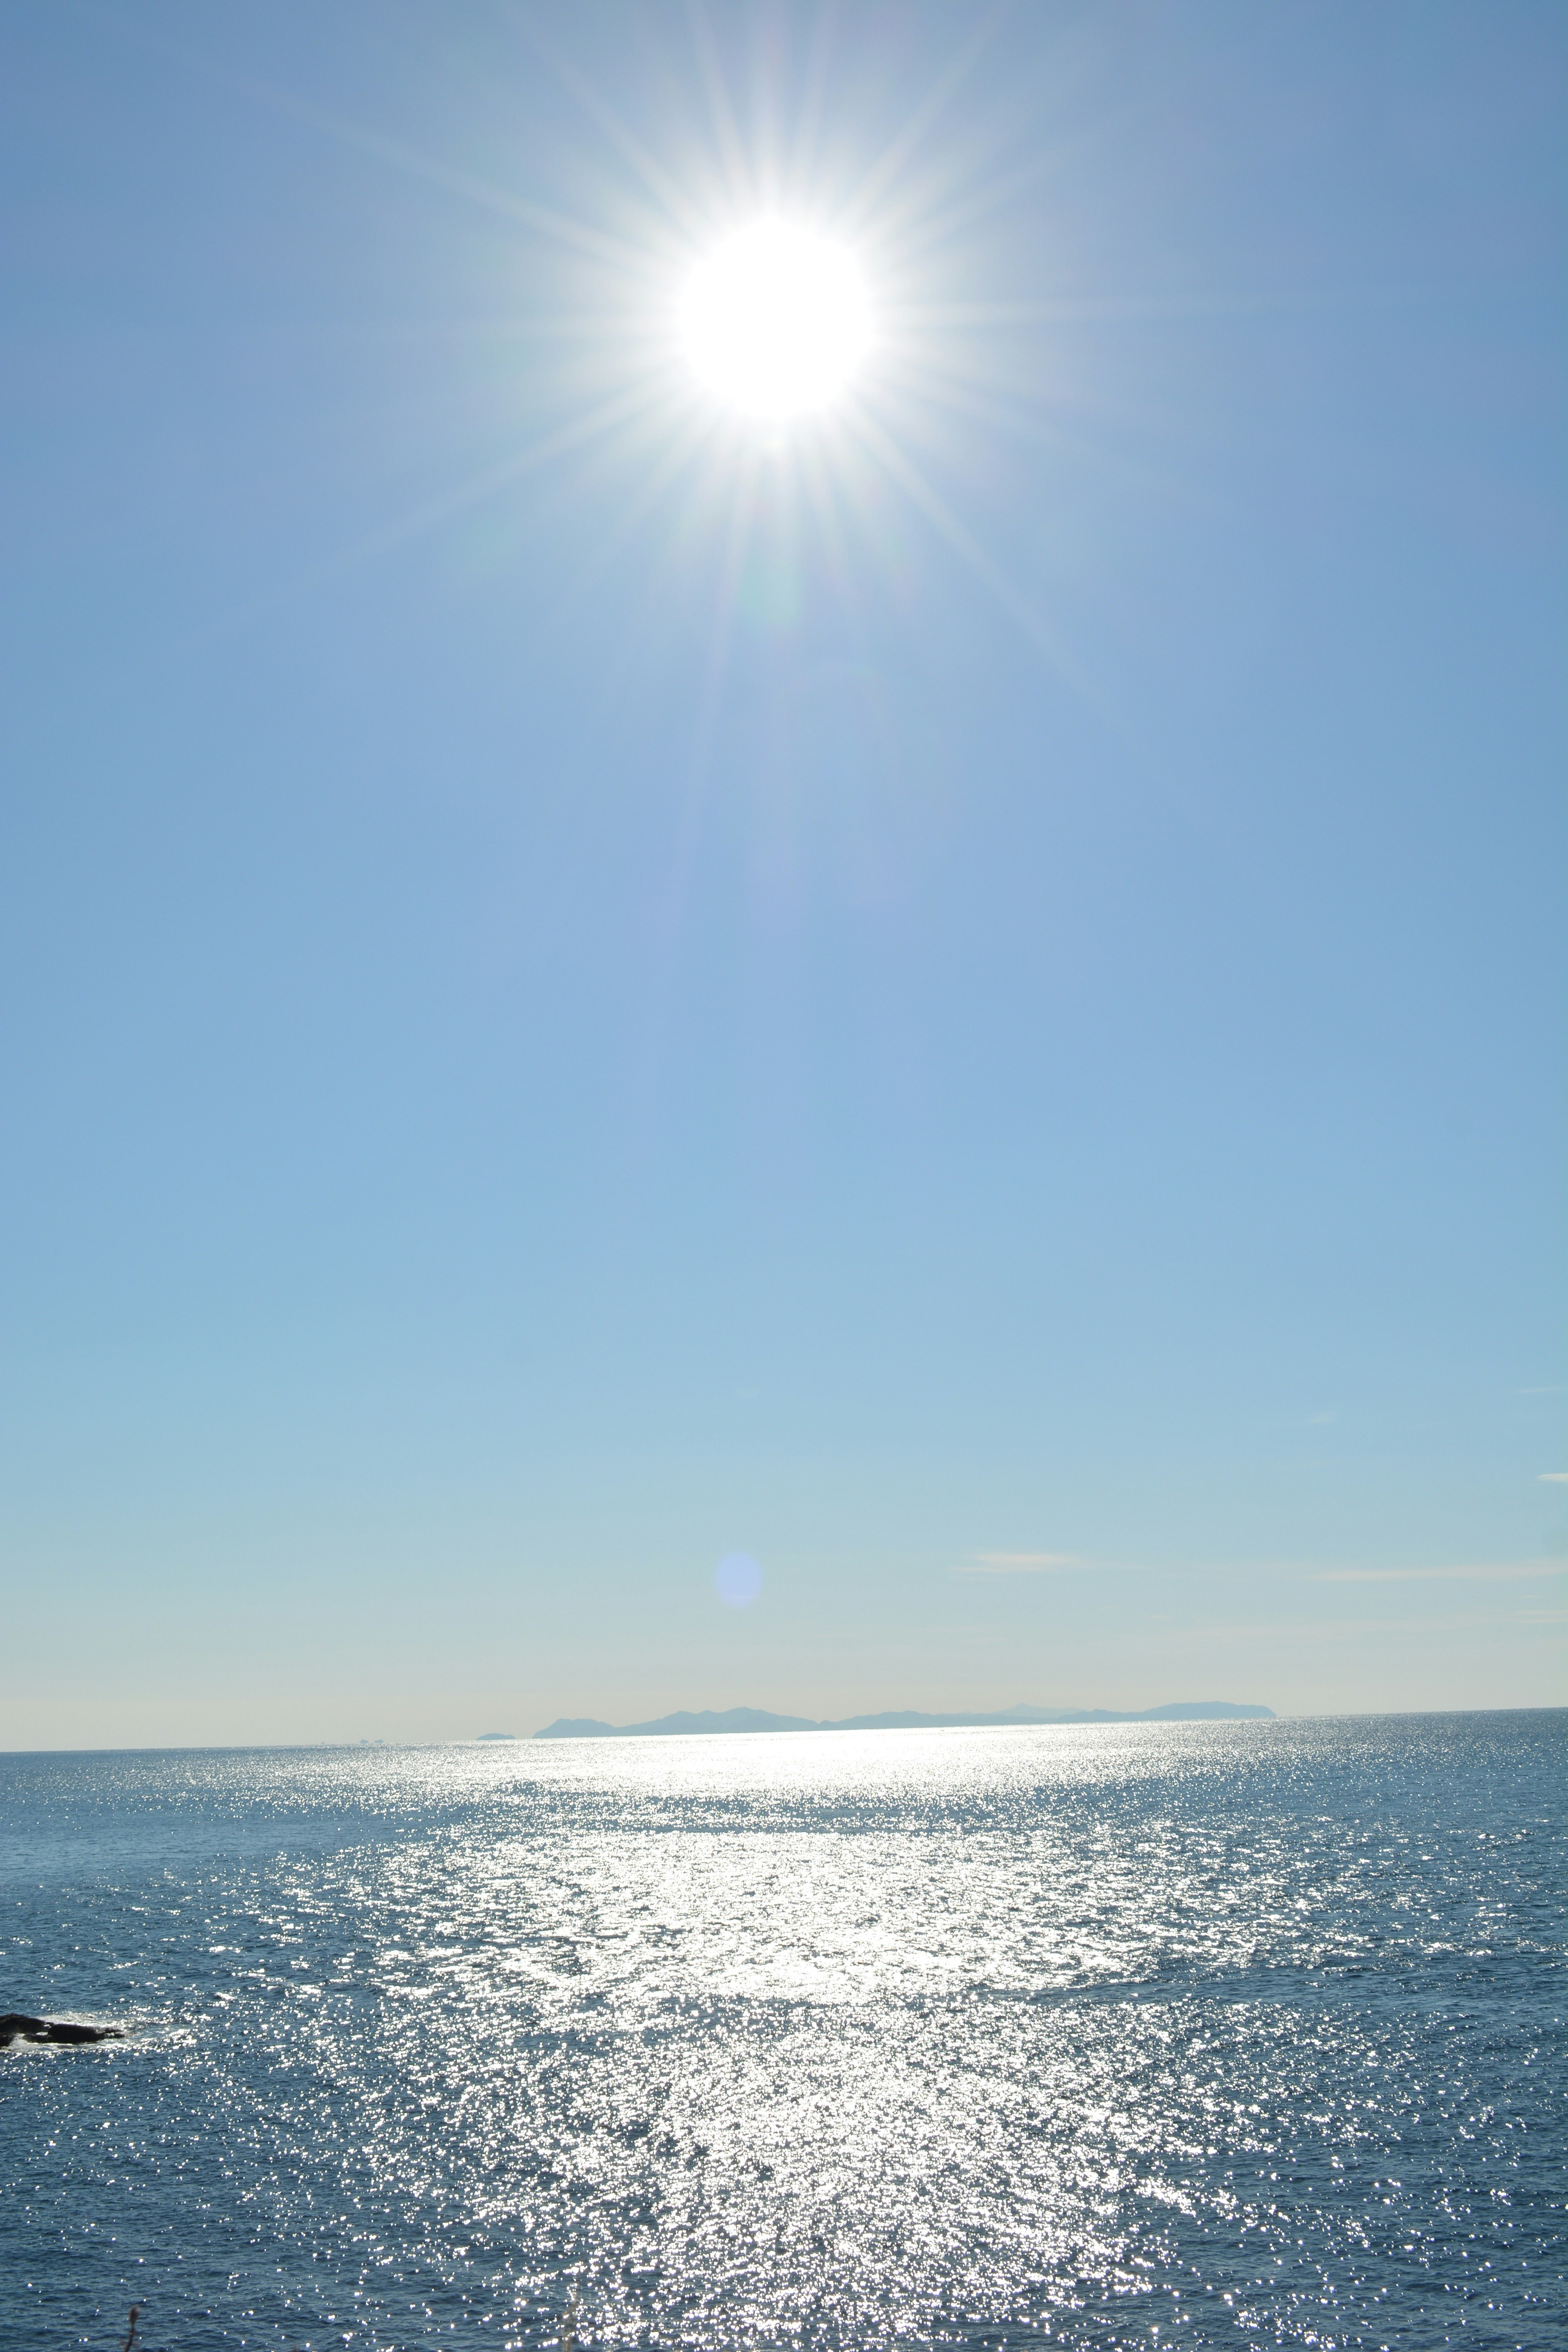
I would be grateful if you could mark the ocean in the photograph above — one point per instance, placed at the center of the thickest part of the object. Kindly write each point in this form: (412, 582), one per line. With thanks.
(1239, 2034)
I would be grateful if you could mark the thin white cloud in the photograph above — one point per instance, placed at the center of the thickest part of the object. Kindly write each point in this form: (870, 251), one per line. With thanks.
(1554, 1477)
(1016, 1563)
(1477, 1571)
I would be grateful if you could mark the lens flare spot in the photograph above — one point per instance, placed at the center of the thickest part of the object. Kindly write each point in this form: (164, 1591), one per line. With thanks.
(737, 1579)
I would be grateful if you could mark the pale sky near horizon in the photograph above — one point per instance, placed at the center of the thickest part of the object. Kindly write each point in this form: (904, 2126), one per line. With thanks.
(962, 1001)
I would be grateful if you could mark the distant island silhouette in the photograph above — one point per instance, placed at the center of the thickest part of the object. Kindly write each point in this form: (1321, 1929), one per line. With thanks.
(754, 1718)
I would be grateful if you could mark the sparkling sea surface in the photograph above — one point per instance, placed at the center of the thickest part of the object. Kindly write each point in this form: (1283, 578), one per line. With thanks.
(1224, 2034)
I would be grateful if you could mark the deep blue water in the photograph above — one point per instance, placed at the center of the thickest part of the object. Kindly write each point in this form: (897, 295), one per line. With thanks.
(1239, 2034)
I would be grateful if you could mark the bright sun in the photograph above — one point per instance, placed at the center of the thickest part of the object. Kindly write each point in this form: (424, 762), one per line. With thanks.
(775, 320)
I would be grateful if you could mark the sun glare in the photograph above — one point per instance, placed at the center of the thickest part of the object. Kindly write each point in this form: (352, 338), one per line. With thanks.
(776, 322)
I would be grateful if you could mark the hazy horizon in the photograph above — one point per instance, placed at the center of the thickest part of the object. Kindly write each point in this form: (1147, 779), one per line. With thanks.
(526, 1739)
(654, 1057)
(1119, 1721)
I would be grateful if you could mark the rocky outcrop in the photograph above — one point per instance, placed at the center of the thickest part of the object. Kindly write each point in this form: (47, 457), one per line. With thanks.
(15, 2028)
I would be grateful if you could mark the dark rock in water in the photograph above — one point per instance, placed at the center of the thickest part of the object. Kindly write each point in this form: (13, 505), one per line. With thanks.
(14, 2028)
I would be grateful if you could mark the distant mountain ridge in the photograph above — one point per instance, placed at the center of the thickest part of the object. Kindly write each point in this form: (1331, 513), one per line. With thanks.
(755, 1718)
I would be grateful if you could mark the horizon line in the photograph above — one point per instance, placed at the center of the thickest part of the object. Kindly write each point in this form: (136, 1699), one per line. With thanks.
(525, 1739)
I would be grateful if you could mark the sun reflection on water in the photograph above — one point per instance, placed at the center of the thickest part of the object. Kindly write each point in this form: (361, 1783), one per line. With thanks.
(842, 2040)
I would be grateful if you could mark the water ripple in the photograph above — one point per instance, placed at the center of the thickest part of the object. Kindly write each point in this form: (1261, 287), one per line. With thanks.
(1239, 2034)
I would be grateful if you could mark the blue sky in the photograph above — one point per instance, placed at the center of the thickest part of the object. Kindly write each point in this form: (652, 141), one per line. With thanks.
(966, 1000)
